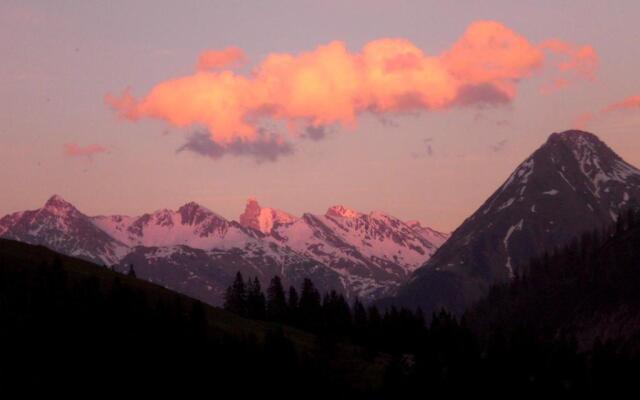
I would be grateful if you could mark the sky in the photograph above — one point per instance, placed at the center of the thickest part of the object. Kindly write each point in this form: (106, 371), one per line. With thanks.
(419, 109)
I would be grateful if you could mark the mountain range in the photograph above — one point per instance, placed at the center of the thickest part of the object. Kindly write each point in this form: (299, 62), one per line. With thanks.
(572, 184)
(197, 252)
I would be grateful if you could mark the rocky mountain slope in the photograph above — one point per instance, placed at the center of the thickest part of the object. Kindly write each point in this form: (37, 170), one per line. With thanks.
(372, 252)
(196, 251)
(572, 183)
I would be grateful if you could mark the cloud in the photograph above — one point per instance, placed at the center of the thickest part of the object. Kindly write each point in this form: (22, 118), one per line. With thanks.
(212, 59)
(580, 60)
(331, 86)
(573, 62)
(74, 150)
(483, 94)
(583, 120)
(316, 133)
(629, 103)
(268, 148)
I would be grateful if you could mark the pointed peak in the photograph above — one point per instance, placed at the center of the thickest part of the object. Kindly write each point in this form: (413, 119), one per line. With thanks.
(380, 214)
(575, 138)
(250, 215)
(194, 213)
(342, 212)
(192, 206)
(263, 219)
(252, 206)
(56, 201)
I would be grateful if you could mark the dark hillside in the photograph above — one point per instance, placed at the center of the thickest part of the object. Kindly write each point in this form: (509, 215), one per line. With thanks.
(69, 325)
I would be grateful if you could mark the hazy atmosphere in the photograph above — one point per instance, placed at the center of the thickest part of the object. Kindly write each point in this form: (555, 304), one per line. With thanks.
(82, 113)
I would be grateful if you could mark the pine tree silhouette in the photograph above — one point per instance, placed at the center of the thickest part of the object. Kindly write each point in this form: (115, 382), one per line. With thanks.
(276, 301)
(235, 299)
(255, 300)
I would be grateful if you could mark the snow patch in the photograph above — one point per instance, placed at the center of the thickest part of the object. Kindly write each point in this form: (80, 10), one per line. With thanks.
(505, 242)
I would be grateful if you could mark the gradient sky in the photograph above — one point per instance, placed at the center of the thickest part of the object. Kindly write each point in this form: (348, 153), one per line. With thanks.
(60, 60)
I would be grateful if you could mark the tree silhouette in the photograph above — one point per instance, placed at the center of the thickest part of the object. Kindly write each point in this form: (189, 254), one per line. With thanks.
(310, 308)
(276, 301)
(235, 299)
(255, 300)
(131, 272)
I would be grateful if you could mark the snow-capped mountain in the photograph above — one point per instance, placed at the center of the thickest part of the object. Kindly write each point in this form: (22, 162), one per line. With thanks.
(372, 252)
(191, 225)
(197, 252)
(571, 184)
(61, 227)
(431, 235)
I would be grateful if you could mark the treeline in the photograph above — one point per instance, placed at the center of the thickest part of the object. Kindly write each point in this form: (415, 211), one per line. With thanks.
(573, 290)
(569, 324)
(329, 315)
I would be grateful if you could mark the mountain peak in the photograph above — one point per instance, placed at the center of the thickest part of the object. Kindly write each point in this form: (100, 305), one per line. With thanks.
(263, 219)
(57, 203)
(573, 135)
(193, 213)
(192, 206)
(342, 212)
(573, 183)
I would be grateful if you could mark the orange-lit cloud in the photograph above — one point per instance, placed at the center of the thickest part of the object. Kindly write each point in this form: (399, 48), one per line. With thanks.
(332, 86)
(212, 59)
(581, 60)
(74, 150)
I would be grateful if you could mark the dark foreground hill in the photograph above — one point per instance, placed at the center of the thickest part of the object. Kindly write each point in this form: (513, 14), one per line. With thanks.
(68, 325)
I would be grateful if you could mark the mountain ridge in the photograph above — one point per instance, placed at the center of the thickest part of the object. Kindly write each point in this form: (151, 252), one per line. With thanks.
(196, 251)
(572, 183)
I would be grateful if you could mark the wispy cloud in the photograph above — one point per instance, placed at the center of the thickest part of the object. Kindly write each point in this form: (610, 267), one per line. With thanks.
(630, 103)
(88, 151)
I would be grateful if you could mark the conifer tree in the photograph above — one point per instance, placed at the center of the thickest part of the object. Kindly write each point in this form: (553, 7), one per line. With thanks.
(255, 300)
(292, 306)
(235, 299)
(276, 301)
(310, 309)
(132, 271)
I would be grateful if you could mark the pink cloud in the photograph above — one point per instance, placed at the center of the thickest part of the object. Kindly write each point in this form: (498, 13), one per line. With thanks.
(74, 150)
(213, 59)
(629, 103)
(330, 85)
